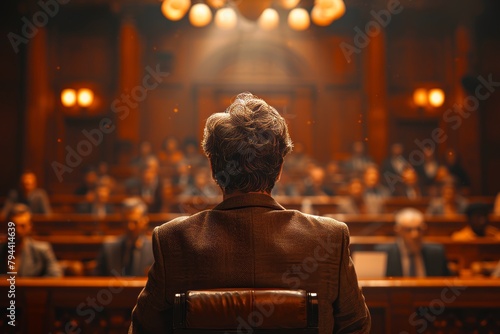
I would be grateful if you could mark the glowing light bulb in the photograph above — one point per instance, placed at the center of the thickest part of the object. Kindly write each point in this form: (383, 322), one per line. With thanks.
(68, 97)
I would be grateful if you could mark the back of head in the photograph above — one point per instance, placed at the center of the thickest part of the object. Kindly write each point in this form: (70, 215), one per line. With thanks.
(16, 210)
(136, 204)
(408, 215)
(246, 145)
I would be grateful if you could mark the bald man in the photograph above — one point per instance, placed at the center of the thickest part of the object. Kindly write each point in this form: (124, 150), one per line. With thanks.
(409, 256)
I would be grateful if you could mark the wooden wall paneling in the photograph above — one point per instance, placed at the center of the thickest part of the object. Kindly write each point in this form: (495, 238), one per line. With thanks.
(40, 103)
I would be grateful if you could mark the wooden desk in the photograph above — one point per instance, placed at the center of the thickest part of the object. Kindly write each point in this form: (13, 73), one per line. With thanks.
(98, 305)
(462, 254)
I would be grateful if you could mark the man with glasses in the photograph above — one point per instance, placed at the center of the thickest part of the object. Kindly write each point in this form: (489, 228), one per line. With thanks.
(409, 256)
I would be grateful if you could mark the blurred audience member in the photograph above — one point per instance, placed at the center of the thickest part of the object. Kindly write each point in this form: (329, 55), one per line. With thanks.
(478, 224)
(298, 160)
(357, 202)
(183, 177)
(145, 157)
(409, 255)
(392, 167)
(148, 187)
(334, 176)
(428, 169)
(371, 177)
(314, 184)
(192, 155)
(410, 187)
(203, 185)
(449, 203)
(496, 272)
(32, 258)
(97, 203)
(453, 163)
(359, 160)
(28, 193)
(90, 179)
(104, 175)
(496, 207)
(132, 253)
(170, 153)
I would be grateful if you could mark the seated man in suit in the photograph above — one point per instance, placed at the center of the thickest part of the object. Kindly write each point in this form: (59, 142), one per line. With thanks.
(130, 254)
(32, 258)
(28, 193)
(409, 255)
(249, 240)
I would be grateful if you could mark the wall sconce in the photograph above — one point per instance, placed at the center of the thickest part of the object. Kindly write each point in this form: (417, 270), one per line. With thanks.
(70, 97)
(423, 97)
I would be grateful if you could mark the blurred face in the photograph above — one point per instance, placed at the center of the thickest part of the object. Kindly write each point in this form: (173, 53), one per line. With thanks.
(136, 221)
(91, 178)
(478, 222)
(356, 188)
(28, 182)
(23, 225)
(371, 177)
(358, 148)
(102, 194)
(411, 229)
(149, 176)
(397, 149)
(317, 175)
(410, 176)
(448, 193)
(145, 149)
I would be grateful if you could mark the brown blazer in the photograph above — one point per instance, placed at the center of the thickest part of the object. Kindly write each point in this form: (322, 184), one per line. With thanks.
(252, 241)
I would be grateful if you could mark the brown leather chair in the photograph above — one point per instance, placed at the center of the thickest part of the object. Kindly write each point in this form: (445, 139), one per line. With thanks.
(246, 311)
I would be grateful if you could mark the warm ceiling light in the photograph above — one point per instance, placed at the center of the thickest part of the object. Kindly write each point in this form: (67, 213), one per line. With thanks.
(289, 4)
(68, 97)
(436, 97)
(216, 3)
(269, 19)
(226, 18)
(298, 19)
(252, 10)
(420, 97)
(85, 97)
(200, 15)
(321, 17)
(175, 10)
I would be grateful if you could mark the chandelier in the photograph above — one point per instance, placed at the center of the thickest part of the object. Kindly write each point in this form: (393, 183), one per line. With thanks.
(224, 13)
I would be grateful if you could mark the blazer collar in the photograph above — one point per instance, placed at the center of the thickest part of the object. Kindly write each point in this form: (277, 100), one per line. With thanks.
(249, 200)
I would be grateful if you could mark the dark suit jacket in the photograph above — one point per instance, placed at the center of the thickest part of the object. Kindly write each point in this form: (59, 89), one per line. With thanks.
(433, 256)
(36, 260)
(111, 258)
(252, 241)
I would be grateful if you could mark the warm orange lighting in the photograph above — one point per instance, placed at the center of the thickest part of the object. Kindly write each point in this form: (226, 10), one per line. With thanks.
(175, 10)
(200, 15)
(216, 3)
(269, 19)
(68, 97)
(436, 97)
(289, 4)
(298, 19)
(85, 97)
(420, 97)
(226, 18)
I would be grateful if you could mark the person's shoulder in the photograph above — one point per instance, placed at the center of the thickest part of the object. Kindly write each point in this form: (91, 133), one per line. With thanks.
(322, 221)
(433, 247)
(42, 246)
(180, 222)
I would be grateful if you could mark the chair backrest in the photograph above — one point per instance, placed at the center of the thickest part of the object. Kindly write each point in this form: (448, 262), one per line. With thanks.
(246, 311)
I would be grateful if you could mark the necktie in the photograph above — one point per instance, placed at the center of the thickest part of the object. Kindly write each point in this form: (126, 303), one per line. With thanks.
(413, 267)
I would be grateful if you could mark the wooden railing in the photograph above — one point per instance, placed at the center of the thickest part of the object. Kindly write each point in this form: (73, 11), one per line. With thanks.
(98, 305)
